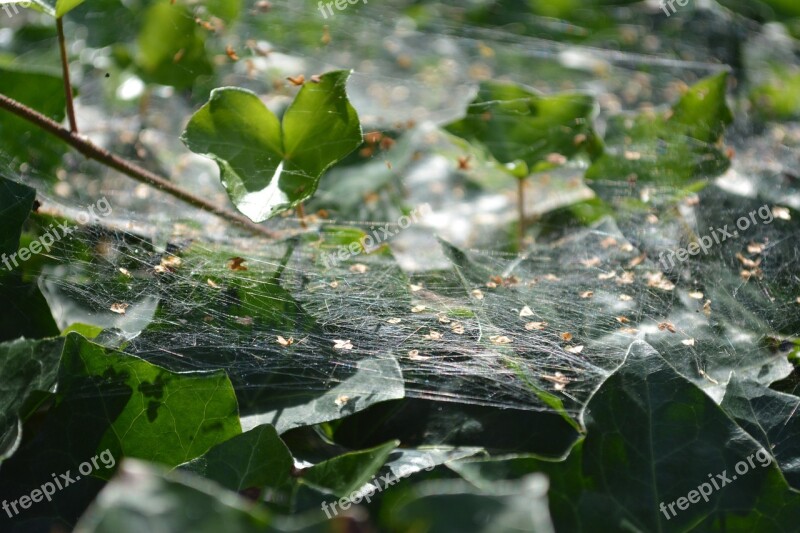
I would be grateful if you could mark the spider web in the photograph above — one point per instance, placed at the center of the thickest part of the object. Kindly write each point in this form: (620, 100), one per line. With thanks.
(444, 311)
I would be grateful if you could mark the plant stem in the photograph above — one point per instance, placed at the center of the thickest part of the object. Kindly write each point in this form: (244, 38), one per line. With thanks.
(103, 156)
(73, 124)
(521, 213)
(301, 213)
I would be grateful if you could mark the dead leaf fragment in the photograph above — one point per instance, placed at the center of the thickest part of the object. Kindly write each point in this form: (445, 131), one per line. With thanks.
(566, 337)
(235, 263)
(559, 379)
(415, 356)
(394, 320)
(457, 328)
(587, 294)
(500, 339)
(342, 400)
(341, 344)
(748, 263)
(119, 308)
(626, 278)
(284, 342)
(535, 326)
(688, 342)
(657, 280)
(526, 311)
(574, 349)
(433, 335)
(696, 295)
(477, 294)
(359, 268)
(418, 308)
(608, 242)
(669, 326)
(625, 297)
(589, 263)
(781, 213)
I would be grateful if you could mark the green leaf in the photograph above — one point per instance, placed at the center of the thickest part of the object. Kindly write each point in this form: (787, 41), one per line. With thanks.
(516, 124)
(347, 473)
(171, 47)
(21, 140)
(671, 437)
(268, 166)
(144, 497)
(25, 366)
(16, 201)
(228, 10)
(454, 506)
(375, 380)
(160, 421)
(65, 6)
(769, 417)
(257, 458)
(676, 148)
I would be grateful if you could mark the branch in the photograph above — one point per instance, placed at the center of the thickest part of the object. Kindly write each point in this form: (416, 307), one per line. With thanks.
(101, 155)
(73, 124)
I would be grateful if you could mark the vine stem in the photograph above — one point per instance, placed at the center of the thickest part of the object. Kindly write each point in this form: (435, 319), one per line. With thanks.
(103, 156)
(73, 124)
(521, 213)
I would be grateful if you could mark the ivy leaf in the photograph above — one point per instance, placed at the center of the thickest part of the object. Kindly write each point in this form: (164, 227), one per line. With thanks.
(160, 420)
(268, 166)
(143, 497)
(769, 416)
(16, 201)
(349, 472)
(675, 148)
(25, 366)
(453, 506)
(257, 458)
(171, 47)
(670, 439)
(21, 140)
(65, 6)
(516, 124)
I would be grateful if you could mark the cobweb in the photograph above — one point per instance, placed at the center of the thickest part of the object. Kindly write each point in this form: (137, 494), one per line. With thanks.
(445, 310)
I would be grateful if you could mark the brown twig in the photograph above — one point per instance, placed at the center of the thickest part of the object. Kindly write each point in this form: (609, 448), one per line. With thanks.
(101, 155)
(521, 213)
(73, 124)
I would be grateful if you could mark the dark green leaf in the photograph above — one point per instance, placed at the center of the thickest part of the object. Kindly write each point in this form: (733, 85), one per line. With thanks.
(257, 458)
(517, 124)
